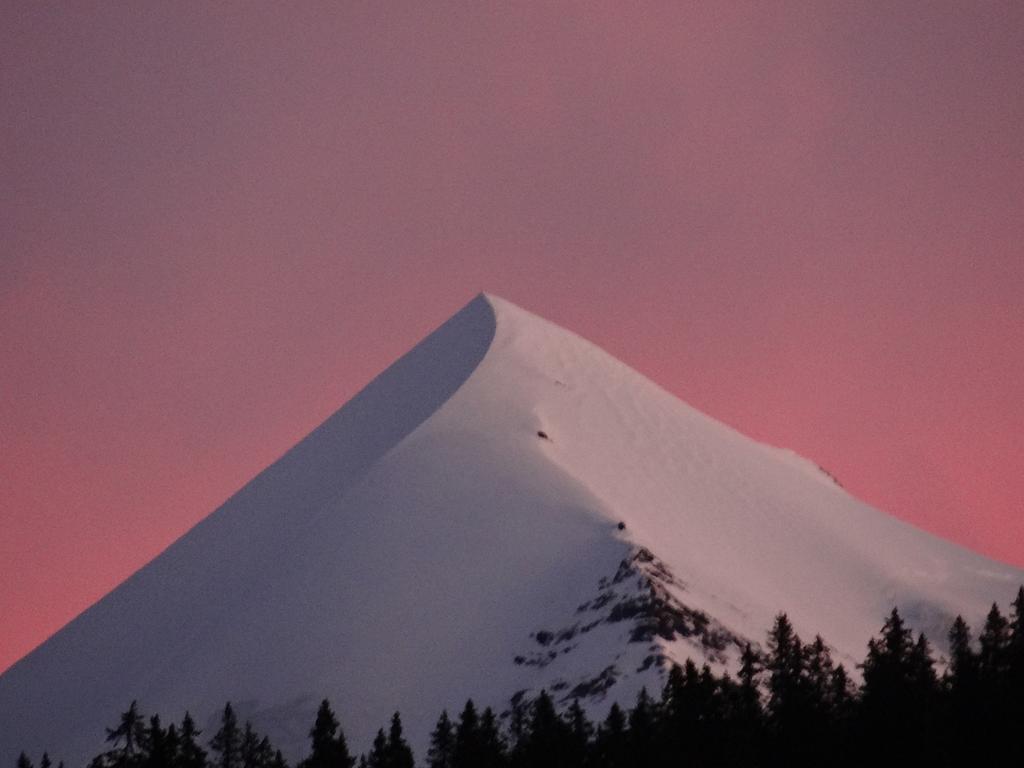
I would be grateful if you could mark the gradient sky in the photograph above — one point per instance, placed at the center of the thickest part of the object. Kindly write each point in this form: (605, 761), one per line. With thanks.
(219, 221)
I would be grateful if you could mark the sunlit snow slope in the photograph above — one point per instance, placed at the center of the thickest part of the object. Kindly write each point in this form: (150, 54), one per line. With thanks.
(454, 531)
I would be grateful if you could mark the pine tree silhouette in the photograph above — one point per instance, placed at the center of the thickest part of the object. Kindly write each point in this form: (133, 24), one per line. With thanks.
(611, 748)
(818, 716)
(547, 739)
(517, 730)
(190, 753)
(898, 694)
(642, 736)
(468, 752)
(789, 701)
(750, 689)
(963, 692)
(226, 743)
(161, 746)
(924, 701)
(256, 751)
(399, 755)
(492, 745)
(819, 673)
(580, 733)
(378, 757)
(172, 746)
(747, 713)
(1015, 674)
(842, 696)
(329, 747)
(995, 642)
(442, 743)
(1015, 646)
(962, 674)
(127, 740)
(691, 712)
(994, 677)
(248, 750)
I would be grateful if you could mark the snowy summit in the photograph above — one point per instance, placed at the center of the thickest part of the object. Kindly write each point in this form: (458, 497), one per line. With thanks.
(506, 508)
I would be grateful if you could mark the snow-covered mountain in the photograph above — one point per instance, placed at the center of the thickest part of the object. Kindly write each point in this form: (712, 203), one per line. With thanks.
(505, 508)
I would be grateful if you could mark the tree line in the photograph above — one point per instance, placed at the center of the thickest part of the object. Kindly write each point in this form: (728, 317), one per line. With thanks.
(788, 705)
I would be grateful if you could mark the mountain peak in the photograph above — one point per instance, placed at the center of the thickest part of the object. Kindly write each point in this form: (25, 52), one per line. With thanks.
(506, 508)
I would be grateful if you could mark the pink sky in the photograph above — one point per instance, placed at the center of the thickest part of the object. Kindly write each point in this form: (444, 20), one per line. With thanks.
(217, 223)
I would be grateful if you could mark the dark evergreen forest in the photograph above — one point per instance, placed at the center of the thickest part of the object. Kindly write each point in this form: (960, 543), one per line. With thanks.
(790, 705)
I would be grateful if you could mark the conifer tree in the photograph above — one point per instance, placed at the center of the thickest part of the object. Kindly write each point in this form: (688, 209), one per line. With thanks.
(963, 665)
(1014, 702)
(841, 694)
(378, 757)
(130, 732)
(127, 740)
(750, 690)
(322, 736)
(611, 745)
(898, 694)
(160, 746)
(819, 674)
(227, 741)
(785, 668)
(676, 721)
(818, 716)
(399, 754)
(256, 752)
(190, 753)
(329, 746)
(789, 703)
(579, 735)
(442, 743)
(995, 643)
(690, 713)
(1015, 646)
(547, 741)
(44, 762)
(492, 746)
(172, 745)
(23, 761)
(642, 735)
(962, 685)
(745, 711)
(922, 670)
(266, 755)
(887, 666)
(517, 731)
(994, 682)
(468, 752)
(924, 700)
(843, 707)
(248, 750)
(716, 695)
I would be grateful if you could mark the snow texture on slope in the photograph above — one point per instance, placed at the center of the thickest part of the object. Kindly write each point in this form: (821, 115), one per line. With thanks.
(454, 531)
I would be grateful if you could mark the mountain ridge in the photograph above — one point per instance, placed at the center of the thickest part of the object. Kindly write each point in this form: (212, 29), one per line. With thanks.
(454, 515)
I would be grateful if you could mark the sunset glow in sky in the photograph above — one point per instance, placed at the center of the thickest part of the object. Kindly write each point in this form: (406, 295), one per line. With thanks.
(217, 223)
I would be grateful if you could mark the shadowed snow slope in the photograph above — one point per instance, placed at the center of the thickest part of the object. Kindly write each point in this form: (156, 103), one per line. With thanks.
(453, 531)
